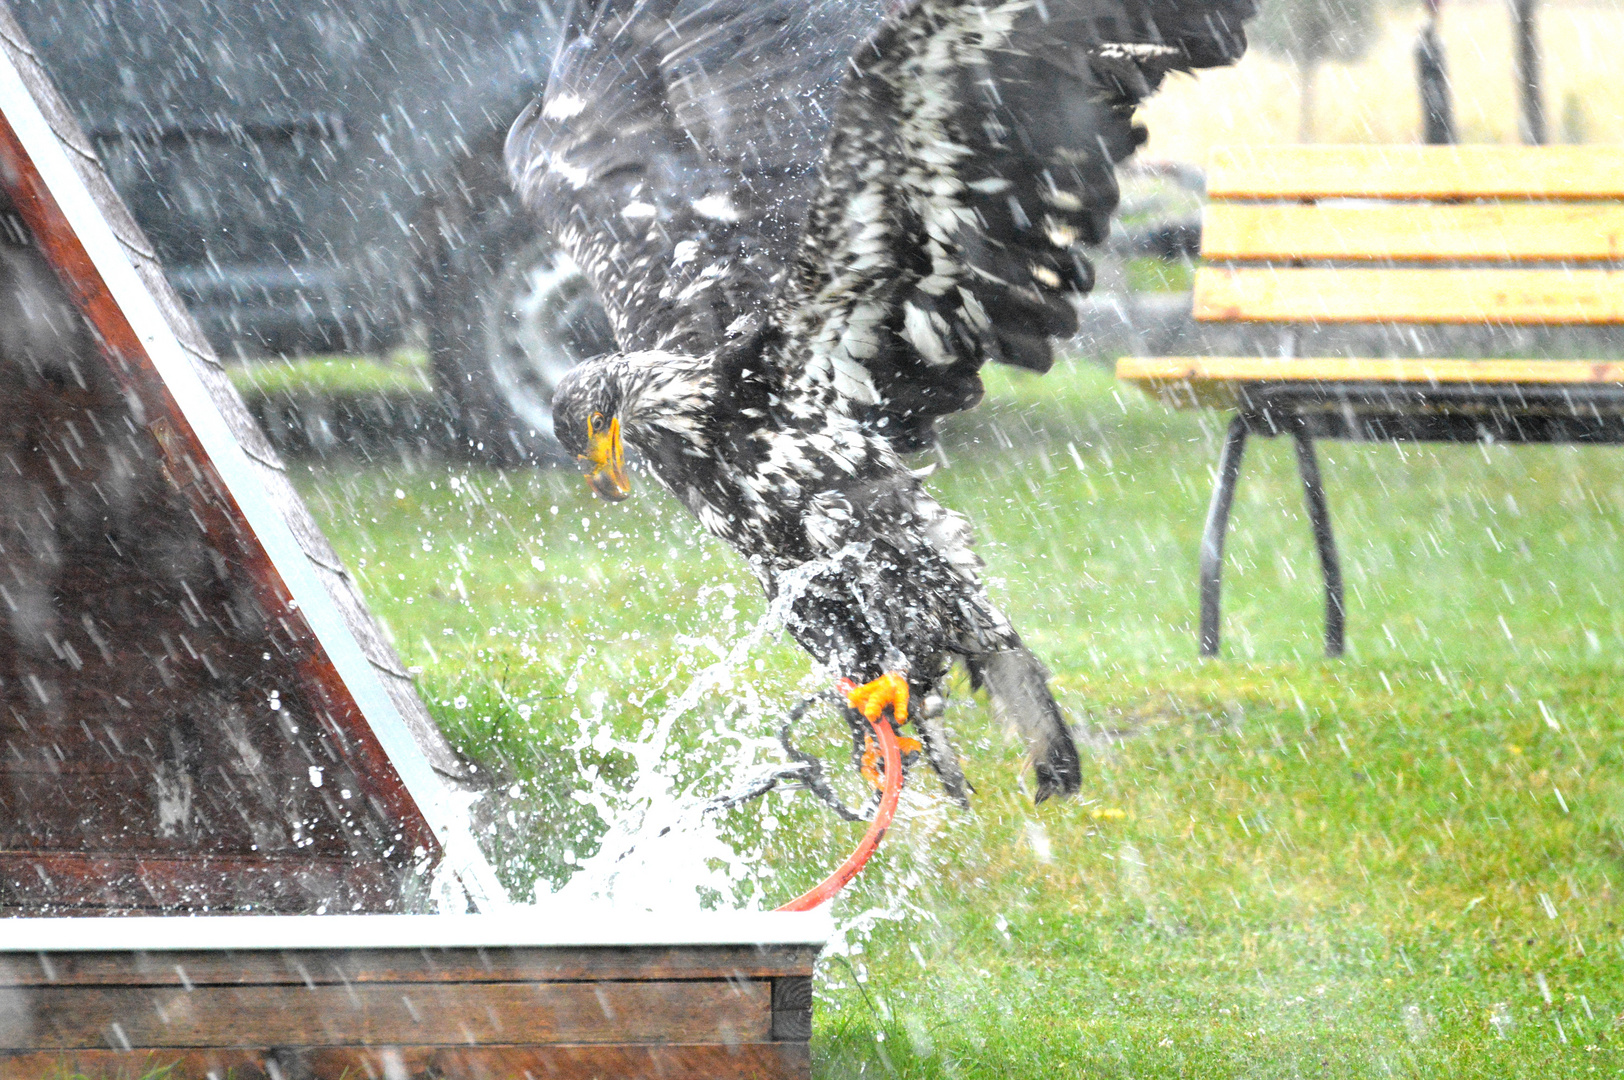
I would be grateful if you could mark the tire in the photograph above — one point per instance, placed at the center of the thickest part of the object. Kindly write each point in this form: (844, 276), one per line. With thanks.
(508, 315)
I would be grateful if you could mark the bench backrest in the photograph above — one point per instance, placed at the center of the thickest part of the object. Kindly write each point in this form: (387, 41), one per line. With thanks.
(1414, 234)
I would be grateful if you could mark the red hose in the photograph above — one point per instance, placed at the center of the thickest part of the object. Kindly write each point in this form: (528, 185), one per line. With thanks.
(876, 828)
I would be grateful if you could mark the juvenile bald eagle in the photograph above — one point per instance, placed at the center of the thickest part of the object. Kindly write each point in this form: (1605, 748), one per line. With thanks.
(780, 356)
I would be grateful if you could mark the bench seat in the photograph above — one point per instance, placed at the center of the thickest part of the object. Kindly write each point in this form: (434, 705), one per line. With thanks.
(1305, 235)
(1184, 382)
(1376, 400)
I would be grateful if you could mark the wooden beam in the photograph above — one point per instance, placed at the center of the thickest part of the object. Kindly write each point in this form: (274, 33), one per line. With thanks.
(1416, 172)
(675, 1061)
(706, 996)
(1425, 233)
(1214, 381)
(320, 967)
(427, 1014)
(1515, 297)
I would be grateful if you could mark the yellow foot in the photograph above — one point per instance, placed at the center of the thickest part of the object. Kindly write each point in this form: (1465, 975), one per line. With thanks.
(889, 691)
(872, 699)
(873, 762)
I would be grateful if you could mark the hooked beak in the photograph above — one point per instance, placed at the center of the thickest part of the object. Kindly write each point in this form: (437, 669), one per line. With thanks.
(606, 461)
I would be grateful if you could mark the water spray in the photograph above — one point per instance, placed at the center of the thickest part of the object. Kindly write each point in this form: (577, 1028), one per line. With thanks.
(849, 869)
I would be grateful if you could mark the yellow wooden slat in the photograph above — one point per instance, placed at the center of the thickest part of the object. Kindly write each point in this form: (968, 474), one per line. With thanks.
(1272, 294)
(1416, 172)
(1425, 232)
(1213, 381)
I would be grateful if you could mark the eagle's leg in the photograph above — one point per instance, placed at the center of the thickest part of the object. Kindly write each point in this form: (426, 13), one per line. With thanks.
(939, 749)
(889, 691)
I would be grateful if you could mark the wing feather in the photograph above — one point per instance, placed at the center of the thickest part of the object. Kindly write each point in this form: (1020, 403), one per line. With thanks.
(674, 151)
(967, 157)
(972, 158)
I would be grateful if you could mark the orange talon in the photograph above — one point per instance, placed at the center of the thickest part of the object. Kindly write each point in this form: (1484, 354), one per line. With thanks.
(872, 699)
(873, 759)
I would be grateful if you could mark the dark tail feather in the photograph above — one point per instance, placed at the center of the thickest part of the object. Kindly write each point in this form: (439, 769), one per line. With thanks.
(1018, 683)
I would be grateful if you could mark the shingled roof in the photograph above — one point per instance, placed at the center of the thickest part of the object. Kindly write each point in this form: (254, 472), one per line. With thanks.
(197, 711)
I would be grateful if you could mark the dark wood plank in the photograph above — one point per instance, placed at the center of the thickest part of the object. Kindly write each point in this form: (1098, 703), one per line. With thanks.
(327, 967)
(792, 1008)
(423, 1014)
(122, 811)
(67, 880)
(680, 1061)
(739, 1061)
(794, 992)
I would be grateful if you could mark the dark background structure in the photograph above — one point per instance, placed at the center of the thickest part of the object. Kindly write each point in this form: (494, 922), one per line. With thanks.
(176, 730)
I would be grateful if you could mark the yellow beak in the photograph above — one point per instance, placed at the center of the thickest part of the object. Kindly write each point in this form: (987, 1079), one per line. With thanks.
(606, 459)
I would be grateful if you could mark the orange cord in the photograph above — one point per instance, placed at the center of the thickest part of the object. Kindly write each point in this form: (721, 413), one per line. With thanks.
(876, 828)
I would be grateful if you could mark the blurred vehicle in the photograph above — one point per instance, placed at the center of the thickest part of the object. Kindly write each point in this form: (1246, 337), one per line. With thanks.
(326, 175)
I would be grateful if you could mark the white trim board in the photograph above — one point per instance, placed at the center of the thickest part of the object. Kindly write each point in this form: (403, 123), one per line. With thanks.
(512, 927)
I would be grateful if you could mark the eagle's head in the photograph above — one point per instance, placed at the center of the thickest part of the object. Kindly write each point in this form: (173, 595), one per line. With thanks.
(650, 398)
(586, 420)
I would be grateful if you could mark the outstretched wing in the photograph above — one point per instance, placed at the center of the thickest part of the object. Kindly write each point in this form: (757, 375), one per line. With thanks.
(972, 155)
(674, 152)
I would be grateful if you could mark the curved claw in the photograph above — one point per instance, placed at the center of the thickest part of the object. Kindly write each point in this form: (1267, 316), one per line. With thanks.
(873, 698)
(873, 762)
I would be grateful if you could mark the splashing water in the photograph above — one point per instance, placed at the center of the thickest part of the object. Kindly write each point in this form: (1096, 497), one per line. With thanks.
(665, 850)
(661, 850)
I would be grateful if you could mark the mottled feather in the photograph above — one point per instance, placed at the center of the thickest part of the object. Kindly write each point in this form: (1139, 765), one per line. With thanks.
(792, 321)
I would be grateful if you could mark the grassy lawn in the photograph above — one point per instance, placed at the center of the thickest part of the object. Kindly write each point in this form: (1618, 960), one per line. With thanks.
(404, 373)
(1399, 863)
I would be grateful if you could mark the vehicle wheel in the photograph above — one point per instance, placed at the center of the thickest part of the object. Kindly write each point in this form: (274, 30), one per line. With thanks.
(509, 314)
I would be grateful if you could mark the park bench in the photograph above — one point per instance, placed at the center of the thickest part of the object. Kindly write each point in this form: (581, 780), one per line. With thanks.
(1299, 236)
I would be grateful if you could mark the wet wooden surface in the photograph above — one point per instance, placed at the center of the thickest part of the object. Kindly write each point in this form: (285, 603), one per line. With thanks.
(671, 1011)
(1214, 381)
(388, 1014)
(254, 964)
(671, 1061)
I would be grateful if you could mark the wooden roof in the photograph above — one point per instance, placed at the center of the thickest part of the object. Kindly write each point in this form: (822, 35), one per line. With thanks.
(197, 712)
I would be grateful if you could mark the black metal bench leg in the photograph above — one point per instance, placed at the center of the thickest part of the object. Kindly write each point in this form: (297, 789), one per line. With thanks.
(1319, 516)
(1212, 537)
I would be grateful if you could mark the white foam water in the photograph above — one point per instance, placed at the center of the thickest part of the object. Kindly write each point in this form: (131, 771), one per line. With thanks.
(664, 851)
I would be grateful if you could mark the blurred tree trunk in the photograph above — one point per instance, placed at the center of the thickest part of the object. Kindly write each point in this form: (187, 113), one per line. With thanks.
(1437, 108)
(1309, 32)
(1526, 37)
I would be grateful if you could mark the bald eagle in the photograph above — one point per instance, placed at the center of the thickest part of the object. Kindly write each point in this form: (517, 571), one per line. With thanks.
(780, 355)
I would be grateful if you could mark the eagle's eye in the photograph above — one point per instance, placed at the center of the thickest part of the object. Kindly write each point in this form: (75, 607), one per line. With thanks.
(594, 423)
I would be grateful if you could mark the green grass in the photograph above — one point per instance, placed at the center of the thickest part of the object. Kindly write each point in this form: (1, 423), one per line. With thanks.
(1400, 863)
(404, 373)
(1160, 275)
